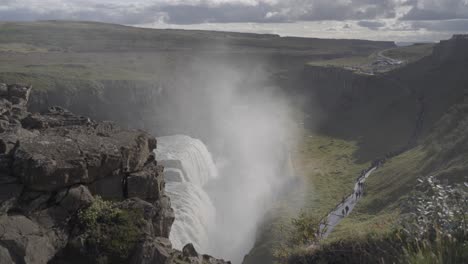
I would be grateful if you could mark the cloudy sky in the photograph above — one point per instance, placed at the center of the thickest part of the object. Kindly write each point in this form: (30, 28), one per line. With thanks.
(400, 20)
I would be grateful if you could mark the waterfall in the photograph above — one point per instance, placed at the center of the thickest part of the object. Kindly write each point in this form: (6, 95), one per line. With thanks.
(188, 167)
(192, 153)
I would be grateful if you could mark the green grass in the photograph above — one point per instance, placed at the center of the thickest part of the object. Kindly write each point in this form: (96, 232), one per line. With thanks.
(327, 172)
(329, 169)
(375, 218)
(90, 36)
(369, 230)
(378, 211)
(20, 48)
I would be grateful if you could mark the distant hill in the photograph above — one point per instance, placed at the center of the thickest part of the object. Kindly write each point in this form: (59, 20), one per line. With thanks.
(93, 36)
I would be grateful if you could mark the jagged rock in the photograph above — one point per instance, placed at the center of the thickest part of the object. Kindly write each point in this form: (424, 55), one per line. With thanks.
(5, 257)
(164, 218)
(55, 117)
(148, 210)
(74, 198)
(111, 187)
(10, 138)
(190, 255)
(61, 208)
(49, 163)
(32, 201)
(25, 240)
(61, 157)
(151, 251)
(147, 184)
(189, 251)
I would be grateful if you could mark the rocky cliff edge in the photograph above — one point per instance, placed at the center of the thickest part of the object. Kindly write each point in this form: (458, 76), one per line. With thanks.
(73, 190)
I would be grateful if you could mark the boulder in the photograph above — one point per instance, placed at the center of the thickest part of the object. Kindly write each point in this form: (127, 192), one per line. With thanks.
(147, 184)
(25, 240)
(148, 211)
(49, 163)
(5, 257)
(157, 250)
(189, 251)
(110, 188)
(164, 217)
(64, 156)
(74, 198)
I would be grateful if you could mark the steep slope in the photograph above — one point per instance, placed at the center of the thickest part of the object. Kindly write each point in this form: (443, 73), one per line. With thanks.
(440, 150)
(442, 154)
(386, 112)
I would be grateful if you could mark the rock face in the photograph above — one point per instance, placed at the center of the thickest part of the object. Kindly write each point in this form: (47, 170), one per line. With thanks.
(54, 165)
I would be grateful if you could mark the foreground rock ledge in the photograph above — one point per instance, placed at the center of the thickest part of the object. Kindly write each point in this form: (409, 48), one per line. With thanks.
(54, 165)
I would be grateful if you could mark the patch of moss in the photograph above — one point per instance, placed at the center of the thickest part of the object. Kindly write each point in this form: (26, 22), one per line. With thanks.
(111, 233)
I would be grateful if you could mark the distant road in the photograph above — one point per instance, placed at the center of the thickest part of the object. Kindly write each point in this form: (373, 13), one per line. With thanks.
(335, 217)
(391, 61)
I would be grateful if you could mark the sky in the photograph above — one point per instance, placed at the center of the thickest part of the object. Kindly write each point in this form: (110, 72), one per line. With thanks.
(398, 20)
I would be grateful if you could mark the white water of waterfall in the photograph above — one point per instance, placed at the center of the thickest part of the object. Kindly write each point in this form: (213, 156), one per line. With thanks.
(194, 211)
(195, 157)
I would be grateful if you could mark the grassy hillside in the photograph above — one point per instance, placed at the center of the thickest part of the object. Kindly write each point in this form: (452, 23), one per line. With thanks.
(92, 36)
(442, 154)
(327, 171)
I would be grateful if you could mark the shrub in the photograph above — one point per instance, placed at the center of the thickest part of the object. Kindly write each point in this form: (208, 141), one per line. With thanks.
(111, 233)
(436, 229)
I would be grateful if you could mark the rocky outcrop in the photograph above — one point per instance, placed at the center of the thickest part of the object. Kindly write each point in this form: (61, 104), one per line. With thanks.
(52, 168)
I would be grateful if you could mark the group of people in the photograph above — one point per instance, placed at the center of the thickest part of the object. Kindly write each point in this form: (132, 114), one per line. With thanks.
(345, 211)
(360, 190)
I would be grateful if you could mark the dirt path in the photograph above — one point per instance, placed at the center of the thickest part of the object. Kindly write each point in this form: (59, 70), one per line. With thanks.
(340, 211)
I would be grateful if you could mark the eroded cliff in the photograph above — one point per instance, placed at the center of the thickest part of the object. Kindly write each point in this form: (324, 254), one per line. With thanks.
(74, 190)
